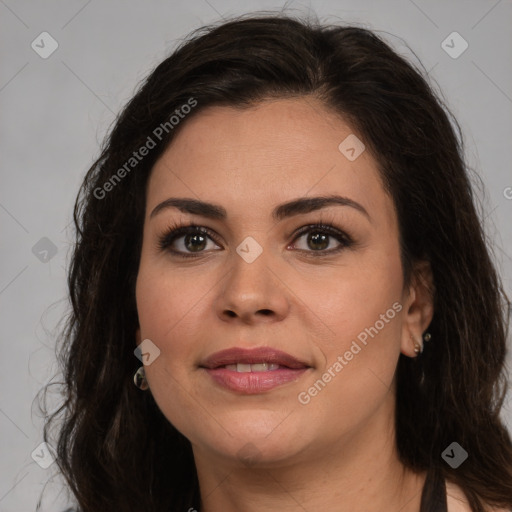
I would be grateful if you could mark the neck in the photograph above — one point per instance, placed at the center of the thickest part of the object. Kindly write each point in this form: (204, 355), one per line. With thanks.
(361, 471)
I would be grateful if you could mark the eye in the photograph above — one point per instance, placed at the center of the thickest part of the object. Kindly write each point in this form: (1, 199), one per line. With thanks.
(318, 238)
(186, 240)
(189, 241)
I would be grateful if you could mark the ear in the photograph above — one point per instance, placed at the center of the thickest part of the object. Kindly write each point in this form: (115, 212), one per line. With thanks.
(418, 307)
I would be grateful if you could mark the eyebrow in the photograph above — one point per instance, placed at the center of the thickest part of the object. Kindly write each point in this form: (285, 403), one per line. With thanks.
(289, 209)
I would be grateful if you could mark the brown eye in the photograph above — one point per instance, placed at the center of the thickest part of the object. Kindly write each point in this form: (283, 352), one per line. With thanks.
(194, 243)
(318, 238)
(184, 241)
(318, 241)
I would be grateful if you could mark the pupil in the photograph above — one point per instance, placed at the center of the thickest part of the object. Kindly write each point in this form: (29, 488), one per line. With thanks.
(194, 239)
(319, 238)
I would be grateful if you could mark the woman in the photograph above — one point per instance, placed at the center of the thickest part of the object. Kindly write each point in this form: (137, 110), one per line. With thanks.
(279, 245)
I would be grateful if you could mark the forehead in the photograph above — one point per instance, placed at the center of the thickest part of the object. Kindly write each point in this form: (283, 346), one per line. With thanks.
(276, 151)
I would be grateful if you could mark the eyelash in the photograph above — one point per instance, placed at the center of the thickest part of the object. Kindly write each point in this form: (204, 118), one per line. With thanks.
(175, 231)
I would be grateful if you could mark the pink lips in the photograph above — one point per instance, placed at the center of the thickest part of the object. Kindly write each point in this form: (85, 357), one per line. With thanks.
(253, 382)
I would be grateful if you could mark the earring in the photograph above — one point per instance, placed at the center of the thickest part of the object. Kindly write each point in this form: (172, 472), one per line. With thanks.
(139, 379)
(427, 336)
(418, 348)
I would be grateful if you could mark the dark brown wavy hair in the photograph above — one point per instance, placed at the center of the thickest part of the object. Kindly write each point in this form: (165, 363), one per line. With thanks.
(114, 446)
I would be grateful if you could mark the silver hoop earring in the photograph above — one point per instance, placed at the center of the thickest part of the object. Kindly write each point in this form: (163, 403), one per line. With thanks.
(139, 379)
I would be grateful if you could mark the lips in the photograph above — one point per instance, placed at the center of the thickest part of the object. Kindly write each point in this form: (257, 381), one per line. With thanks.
(253, 371)
(255, 356)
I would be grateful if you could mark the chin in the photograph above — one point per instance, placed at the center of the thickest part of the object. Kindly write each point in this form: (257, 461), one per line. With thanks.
(256, 439)
(258, 452)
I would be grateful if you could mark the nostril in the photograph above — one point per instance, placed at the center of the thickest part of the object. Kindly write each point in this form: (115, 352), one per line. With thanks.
(265, 312)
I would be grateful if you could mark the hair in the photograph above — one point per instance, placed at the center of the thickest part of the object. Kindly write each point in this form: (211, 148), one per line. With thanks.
(114, 446)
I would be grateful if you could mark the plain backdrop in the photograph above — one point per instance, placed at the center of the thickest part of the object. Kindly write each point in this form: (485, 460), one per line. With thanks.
(56, 110)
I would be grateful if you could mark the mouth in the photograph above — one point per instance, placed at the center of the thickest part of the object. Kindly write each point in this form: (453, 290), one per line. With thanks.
(256, 367)
(252, 371)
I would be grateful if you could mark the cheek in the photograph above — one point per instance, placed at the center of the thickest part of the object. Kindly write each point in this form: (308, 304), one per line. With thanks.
(364, 311)
(168, 308)
(169, 315)
(357, 297)
(163, 296)
(357, 376)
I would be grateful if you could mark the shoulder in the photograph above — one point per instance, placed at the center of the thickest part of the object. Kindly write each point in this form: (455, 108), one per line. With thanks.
(457, 501)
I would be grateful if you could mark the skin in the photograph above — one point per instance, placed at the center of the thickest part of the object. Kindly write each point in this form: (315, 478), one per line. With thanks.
(337, 452)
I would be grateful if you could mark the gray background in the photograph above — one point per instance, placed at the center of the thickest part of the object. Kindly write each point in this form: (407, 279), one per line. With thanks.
(55, 112)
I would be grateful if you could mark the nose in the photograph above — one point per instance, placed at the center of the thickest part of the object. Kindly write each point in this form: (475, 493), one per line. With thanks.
(252, 292)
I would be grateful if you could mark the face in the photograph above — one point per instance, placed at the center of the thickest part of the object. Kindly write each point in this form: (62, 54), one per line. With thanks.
(253, 274)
